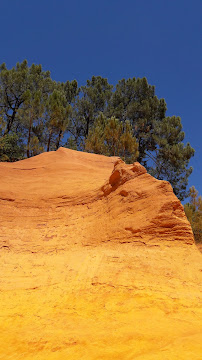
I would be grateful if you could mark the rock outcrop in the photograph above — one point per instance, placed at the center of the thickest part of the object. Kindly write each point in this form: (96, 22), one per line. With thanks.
(97, 261)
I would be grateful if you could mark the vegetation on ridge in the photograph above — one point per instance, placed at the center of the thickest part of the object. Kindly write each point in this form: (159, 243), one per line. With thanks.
(38, 114)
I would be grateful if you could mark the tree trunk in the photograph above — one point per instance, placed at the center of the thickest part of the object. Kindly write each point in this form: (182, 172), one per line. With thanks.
(58, 140)
(87, 126)
(10, 122)
(12, 117)
(29, 137)
(49, 140)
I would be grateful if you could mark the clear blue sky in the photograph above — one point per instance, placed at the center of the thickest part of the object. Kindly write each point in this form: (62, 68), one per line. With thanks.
(159, 39)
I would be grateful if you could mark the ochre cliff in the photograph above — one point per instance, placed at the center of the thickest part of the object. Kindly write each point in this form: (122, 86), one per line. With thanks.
(97, 261)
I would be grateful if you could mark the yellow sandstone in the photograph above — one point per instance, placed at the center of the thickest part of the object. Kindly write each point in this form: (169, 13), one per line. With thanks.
(97, 262)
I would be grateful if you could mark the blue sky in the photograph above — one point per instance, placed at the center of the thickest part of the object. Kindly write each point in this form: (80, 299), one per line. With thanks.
(159, 39)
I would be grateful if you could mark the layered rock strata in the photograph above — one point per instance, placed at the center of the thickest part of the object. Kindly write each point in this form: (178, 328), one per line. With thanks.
(97, 261)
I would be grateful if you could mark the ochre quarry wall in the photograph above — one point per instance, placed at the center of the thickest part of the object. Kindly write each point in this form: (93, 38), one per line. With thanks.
(97, 261)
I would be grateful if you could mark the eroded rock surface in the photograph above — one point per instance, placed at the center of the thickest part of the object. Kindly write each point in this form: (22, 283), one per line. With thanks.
(97, 261)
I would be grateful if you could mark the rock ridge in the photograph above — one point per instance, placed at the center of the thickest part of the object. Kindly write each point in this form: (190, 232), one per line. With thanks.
(66, 191)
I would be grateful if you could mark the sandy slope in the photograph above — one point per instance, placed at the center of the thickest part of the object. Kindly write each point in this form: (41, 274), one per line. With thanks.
(97, 261)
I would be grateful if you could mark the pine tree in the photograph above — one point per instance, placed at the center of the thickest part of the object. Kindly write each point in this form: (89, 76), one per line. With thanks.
(11, 148)
(159, 137)
(92, 99)
(193, 211)
(16, 87)
(42, 113)
(111, 137)
(170, 158)
(95, 141)
(135, 100)
(58, 111)
(129, 146)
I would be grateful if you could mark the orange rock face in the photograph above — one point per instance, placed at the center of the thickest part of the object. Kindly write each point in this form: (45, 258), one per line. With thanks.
(97, 261)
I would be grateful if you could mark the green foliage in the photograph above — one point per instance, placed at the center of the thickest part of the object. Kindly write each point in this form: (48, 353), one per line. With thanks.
(95, 142)
(92, 99)
(193, 211)
(159, 137)
(58, 111)
(38, 114)
(71, 143)
(171, 157)
(18, 87)
(135, 100)
(111, 137)
(11, 148)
